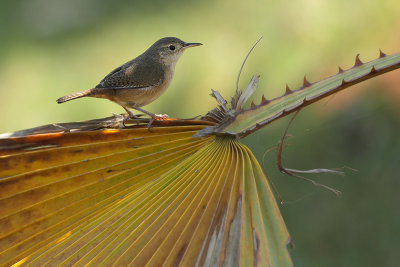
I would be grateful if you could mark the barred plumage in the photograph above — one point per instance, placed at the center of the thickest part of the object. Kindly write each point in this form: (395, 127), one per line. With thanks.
(66, 98)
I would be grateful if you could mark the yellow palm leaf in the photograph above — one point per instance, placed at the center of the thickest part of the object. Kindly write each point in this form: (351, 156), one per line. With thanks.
(133, 197)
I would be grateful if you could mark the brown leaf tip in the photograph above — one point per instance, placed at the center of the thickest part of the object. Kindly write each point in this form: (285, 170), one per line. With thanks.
(381, 54)
(287, 90)
(253, 105)
(340, 70)
(358, 61)
(306, 83)
(343, 82)
(373, 69)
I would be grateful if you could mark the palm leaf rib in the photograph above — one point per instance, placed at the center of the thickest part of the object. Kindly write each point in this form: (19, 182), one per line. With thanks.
(135, 198)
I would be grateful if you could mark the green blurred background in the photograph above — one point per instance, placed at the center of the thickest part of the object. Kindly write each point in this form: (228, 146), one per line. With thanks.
(50, 48)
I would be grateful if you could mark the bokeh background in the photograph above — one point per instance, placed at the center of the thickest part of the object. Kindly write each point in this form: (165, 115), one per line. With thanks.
(50, 48)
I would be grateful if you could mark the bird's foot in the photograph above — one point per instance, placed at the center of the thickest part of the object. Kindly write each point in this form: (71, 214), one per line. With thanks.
(123, 118)
(161, 116)
(156, 117)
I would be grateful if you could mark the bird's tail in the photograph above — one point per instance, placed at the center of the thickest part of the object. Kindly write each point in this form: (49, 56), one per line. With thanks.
(88, 92)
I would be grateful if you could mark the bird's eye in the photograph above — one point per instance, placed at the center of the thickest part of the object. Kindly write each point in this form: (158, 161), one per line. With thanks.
(172, 47)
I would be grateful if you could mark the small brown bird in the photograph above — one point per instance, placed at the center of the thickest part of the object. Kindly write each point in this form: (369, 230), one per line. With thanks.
(141, 80)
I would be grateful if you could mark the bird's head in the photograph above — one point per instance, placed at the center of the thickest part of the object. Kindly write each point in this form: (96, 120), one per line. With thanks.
(169, 49)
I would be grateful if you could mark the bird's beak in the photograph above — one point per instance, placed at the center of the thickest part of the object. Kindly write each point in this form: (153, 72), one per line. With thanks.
(191, 44)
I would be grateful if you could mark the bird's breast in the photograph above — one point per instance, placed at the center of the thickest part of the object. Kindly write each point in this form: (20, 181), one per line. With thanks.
(143, 96)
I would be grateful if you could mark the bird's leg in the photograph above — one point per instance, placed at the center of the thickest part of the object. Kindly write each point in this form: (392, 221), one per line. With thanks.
(152, 115)
(130, 113)
(145, 112)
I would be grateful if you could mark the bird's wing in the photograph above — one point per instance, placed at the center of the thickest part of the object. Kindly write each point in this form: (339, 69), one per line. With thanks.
(133, 75)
